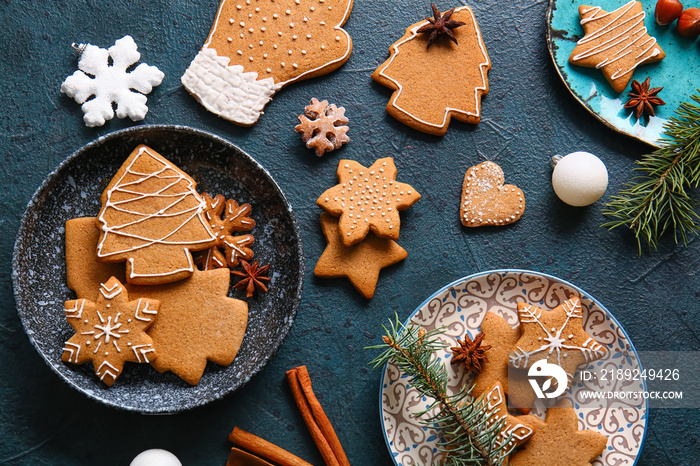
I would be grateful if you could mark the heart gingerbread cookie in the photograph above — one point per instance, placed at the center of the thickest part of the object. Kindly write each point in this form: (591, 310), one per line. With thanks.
(486, 200)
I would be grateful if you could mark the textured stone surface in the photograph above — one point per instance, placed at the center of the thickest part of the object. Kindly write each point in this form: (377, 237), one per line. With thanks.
(527, 117)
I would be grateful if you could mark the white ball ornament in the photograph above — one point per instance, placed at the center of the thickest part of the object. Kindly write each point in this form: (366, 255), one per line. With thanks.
(579, 179)
(155, 457)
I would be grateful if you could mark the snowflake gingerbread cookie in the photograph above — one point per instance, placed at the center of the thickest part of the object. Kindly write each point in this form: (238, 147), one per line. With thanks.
(556, 336)
(323, 127)
(110, 331)
(255, 48)
(97, 84)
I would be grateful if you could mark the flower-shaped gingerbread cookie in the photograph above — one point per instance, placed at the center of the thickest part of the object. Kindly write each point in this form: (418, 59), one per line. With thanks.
(433, 85)
(110, 331)
(367, 199)
(257, 47)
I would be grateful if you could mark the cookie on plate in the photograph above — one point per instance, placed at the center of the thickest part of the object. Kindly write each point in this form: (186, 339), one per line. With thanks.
(110, 331)
(615, 42)
(152, 217)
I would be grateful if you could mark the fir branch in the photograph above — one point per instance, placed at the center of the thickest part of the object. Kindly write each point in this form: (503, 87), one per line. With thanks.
(471, 437)
(660, 199)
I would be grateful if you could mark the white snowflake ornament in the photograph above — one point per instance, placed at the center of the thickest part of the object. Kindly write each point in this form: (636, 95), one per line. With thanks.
(111, 83)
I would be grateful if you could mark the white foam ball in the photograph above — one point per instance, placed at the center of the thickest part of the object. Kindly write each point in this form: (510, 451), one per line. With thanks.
(580, 179)
(156, 457)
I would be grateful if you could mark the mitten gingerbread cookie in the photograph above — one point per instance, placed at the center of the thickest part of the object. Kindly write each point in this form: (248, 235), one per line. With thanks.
(256, 47)
(438, 72)
(616, 42)
(152, 217)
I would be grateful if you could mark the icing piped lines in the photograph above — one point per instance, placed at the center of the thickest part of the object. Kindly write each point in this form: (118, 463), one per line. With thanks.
(107, 370)
(142, 313)
(77, 311)
(110, 293)
(73, 351)
(141, 352)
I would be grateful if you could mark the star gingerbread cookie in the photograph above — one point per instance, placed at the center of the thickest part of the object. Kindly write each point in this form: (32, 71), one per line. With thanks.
(557, 336)
(615, 42)
(110, 331)
(436, 79)
(368, 199)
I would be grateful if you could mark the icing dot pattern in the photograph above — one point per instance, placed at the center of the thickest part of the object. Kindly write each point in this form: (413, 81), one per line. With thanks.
(486, 200)
(276, 25)
(368, 199)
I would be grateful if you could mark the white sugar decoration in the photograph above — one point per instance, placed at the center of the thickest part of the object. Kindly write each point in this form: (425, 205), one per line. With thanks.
(98, 84)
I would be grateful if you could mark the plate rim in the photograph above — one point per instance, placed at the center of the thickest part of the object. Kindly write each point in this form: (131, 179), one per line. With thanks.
(550, 44)
(26, 221)
(512, 271)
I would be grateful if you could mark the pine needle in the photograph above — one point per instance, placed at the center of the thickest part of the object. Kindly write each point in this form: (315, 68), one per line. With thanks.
(470, 439)
(659, 200)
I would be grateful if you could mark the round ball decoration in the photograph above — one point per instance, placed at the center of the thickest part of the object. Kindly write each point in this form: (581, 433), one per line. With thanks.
(155, 457)
(579, 179)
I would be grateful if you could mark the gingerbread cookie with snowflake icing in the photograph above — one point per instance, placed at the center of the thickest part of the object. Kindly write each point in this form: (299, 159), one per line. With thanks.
(367, 199)
(434, 84)
(557, 336)
(256, 47)
(110, 331)
(615, 42)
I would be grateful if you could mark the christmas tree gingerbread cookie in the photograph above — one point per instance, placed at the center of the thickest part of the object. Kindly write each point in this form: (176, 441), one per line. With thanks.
(110, 331)
(438, 71)
(615, 42)
(152, 217)
(257, 47)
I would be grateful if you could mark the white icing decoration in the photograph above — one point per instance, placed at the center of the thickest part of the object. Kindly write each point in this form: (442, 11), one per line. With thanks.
(73, 350)
(110, 293)
(519, 432)
(141, 352)
(108, 84)
(482, 65)
(228, 91)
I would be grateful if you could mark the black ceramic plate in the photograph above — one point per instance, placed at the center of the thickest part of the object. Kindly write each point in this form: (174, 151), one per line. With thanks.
(73, 190)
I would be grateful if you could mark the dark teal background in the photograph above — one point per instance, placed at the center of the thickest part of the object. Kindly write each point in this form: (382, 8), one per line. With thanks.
(528, 116)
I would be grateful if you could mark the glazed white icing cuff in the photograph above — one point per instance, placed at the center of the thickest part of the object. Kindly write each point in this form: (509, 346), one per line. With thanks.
(228, 91)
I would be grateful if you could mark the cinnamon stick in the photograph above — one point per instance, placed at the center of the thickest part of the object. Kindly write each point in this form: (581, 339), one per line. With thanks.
(265, 449)
(315, 418)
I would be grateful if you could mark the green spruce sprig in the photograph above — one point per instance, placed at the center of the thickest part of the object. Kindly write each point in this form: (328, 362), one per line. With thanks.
(660, 199)
(471, 438)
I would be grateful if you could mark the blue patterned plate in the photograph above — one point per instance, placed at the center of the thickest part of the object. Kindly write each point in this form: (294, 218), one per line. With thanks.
(460, 307)
(677, 73)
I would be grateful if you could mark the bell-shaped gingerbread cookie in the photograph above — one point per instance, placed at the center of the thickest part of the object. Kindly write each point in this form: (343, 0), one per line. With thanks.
(437, 81)
(256, 47)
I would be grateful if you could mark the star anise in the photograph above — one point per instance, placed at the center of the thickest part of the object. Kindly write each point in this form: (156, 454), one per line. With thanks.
(470, 352)
(642, 99)
(253, 278)
(439, 25)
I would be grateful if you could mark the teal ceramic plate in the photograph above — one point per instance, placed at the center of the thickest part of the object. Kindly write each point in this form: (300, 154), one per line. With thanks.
(678, 73)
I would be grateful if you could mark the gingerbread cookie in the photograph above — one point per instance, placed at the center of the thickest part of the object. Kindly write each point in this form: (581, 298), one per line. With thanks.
(257, 47)
(516, 430)
(196, 322)
(615, 42)
(502, 338)
(434, 84)
(360, 263)
(152, 217)
(367, 199)
(557, 440)
(323, 127)
(556, 336)
(226, 217)
(110, 331)
(486, 200)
